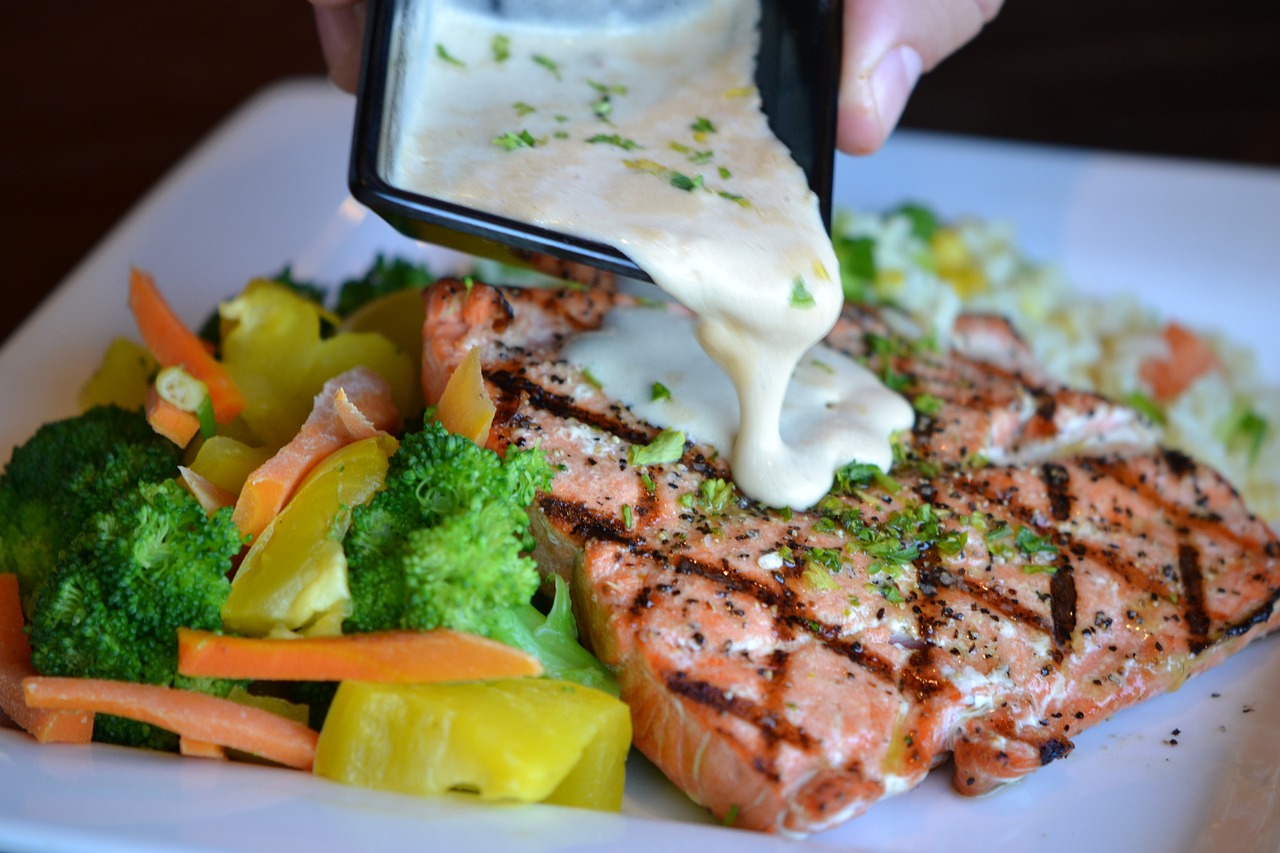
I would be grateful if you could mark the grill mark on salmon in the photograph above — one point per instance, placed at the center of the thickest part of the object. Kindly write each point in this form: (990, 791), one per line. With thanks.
(802, 704)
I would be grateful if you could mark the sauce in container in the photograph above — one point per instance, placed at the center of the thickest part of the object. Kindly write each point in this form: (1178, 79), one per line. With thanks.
(642, 129)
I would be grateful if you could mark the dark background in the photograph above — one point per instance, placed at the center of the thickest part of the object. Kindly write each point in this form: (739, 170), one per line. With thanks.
(100, 99)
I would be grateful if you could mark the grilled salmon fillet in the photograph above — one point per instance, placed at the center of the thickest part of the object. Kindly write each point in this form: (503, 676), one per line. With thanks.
(1036, 563)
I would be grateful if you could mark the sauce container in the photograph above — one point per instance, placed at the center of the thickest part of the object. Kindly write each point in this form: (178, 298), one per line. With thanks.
(797, 75)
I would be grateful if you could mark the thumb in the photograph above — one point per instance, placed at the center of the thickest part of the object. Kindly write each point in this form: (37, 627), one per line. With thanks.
(888, 44)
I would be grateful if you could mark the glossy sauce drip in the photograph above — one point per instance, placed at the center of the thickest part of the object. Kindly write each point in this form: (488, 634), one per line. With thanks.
(647, 135)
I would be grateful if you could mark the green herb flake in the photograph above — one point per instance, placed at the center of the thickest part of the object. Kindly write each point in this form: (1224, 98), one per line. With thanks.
(924, 222)
(523, 109)
(927, 404)
(658, 391)
(857, 256)
(614, 140)
(800, 295)
(548, 63)
(818, 579)
(448, 57)
(647, 482)
(591, 379)
(725, 174)
(731, 816)
(714, 495)
(628, 517)
(683, 182)
(561, 134)
(734, 197)
(1031, 544)
(501, 47)
(701, 125)
(667, 446)
(512, 141)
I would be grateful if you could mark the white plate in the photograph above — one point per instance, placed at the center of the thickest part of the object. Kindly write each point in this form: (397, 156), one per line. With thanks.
(268, 189)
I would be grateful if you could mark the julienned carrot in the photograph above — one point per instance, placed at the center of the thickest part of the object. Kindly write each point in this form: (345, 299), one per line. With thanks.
(270, 485)
(405, 656)
(173, 344)
(196, 716)
(201, 749)
(15, 665)
(1189, 357)
(175, 424)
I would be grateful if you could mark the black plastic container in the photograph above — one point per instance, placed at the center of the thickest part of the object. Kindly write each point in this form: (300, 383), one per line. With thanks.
(797, 73)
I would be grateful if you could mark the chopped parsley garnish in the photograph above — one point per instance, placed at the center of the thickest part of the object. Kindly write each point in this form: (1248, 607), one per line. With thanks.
(602, 106)
(548, 63)
(647, 481)
(501, 47)
(800, 295)
(615, 140)
(702, 124)
(667, 446)
(725, 174)
(927, 404)
(523, 109)
(628, 518)
(448, 57)
(1031, 544)
(829, 557)
(818, 578)
(734, 197)
(714, 495)
(681, 181)
(591, 379)
(512, 141)
(658, 391)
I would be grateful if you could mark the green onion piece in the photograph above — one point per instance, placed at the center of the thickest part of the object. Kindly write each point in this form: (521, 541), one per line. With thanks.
(658, 391)
(1029, 543)
(208, 423)
(667, 446)
(628, 518)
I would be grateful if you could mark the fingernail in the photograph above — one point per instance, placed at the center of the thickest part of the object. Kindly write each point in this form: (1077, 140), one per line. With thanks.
(892, 82)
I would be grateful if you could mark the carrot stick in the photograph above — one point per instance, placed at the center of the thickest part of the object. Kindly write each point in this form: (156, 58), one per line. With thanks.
(201, 749)
(406, 656)
(168, 420)
(270, 485)
(15, 665)
(173, 344)
(196, 716)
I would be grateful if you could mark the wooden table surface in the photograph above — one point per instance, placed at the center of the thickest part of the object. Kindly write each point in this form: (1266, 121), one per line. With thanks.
(101, 99)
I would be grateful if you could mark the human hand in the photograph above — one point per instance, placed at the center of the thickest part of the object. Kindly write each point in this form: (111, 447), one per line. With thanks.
(340, 28)
(888, 44)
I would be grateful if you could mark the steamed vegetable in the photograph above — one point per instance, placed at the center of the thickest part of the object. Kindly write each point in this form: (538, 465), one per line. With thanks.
(195, 716)
(445, 543)
(528, 740)
(402, 656)
(149, 562)
(67, 471)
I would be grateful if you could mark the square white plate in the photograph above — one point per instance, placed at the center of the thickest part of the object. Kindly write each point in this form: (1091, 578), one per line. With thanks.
(267, 189)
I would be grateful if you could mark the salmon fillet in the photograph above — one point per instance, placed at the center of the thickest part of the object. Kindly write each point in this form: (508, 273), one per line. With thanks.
(1036, 563)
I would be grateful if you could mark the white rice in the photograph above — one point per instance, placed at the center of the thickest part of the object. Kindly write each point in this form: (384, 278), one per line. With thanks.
(1085, 341)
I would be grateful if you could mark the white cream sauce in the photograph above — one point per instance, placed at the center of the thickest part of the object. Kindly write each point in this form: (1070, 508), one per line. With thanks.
(648, 135)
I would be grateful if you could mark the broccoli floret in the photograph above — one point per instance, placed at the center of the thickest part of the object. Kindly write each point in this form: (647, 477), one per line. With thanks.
(152, 562)
(62, 475)
(446, 542)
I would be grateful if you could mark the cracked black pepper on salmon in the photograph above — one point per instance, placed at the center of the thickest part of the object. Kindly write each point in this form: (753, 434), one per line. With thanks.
(1034, 563)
